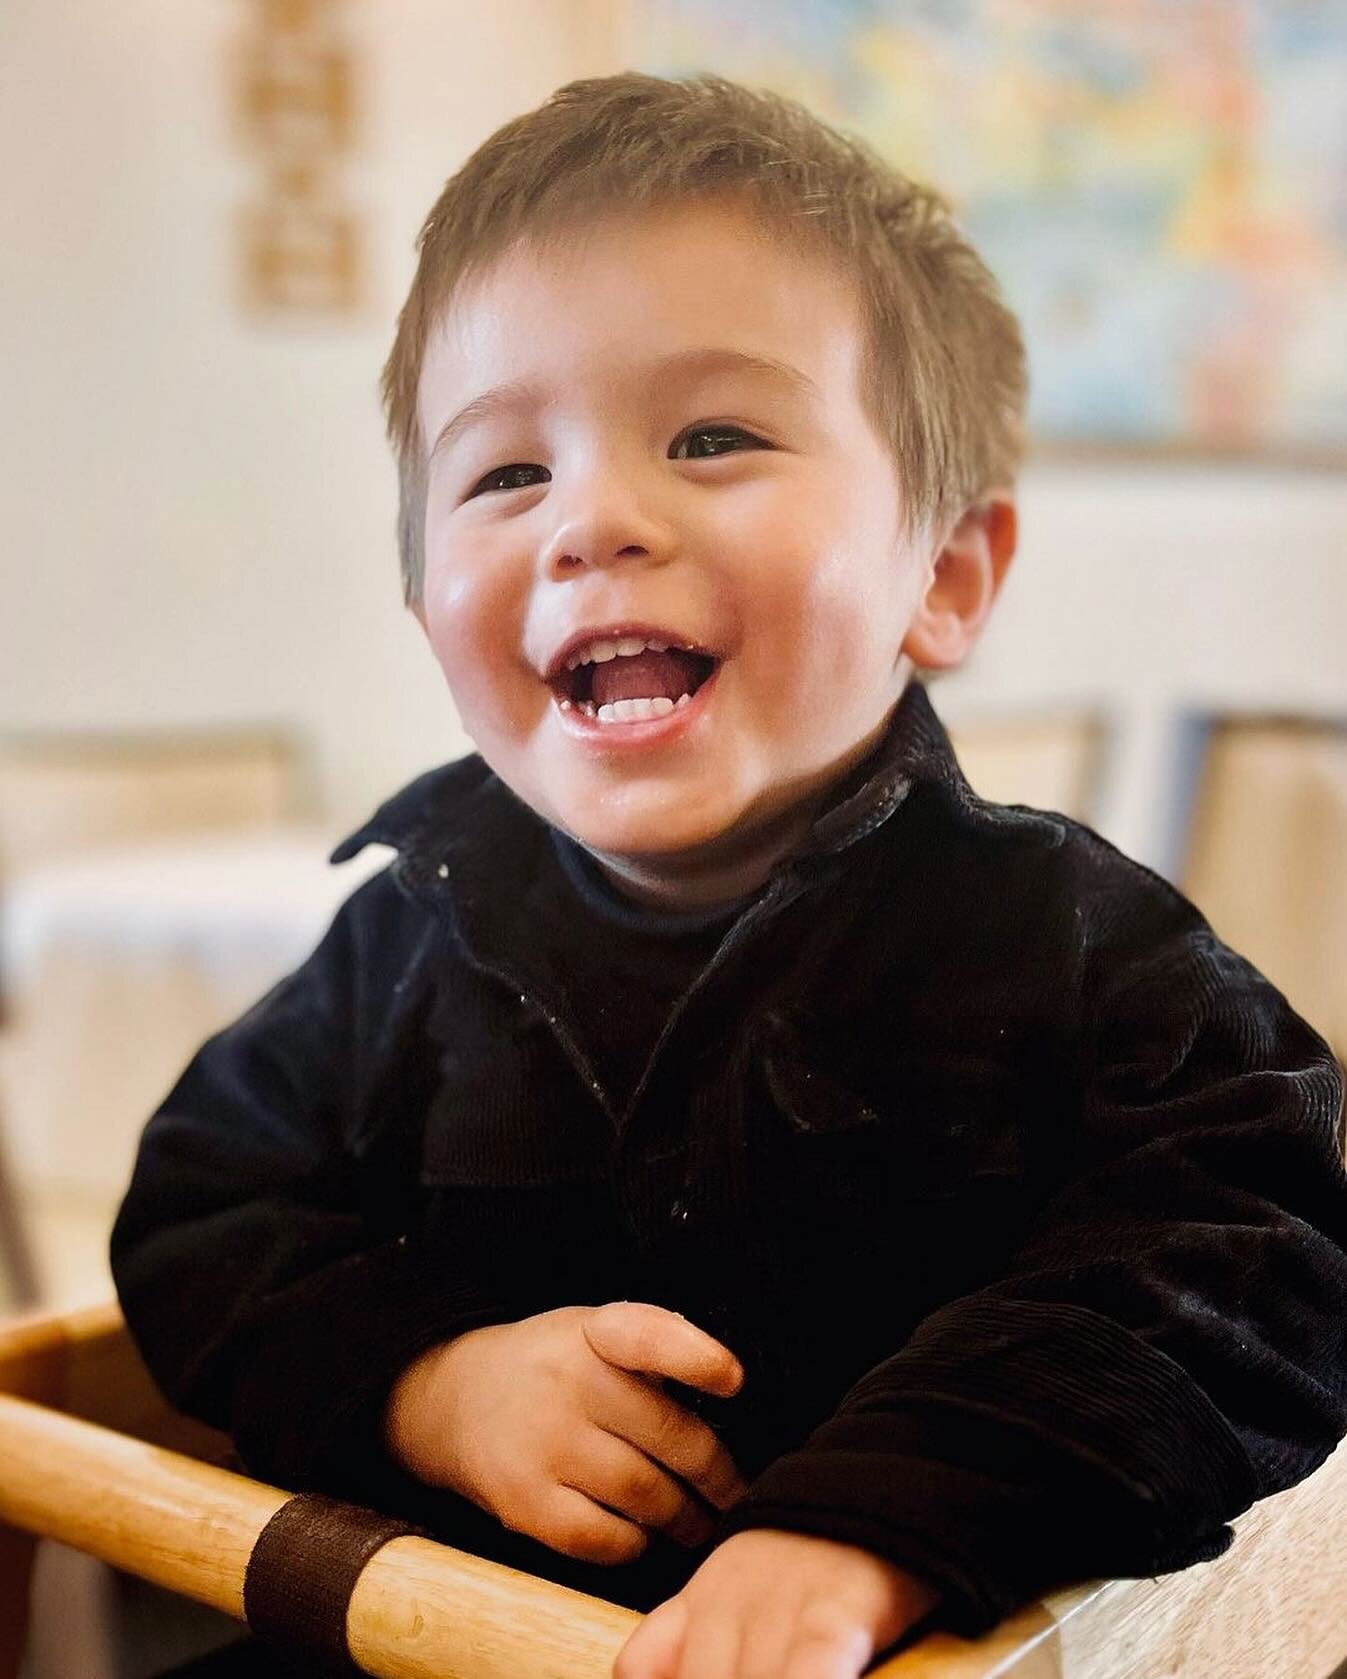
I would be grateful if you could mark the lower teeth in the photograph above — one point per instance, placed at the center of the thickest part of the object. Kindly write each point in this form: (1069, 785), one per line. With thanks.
(633, 711)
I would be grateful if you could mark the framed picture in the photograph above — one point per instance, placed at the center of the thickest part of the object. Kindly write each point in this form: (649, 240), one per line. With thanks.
(1159, 185)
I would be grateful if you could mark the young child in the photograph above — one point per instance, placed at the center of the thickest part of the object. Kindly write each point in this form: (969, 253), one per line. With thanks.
(724, 1163)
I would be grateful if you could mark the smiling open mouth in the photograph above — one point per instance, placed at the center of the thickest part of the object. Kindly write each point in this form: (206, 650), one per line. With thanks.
(631, 680)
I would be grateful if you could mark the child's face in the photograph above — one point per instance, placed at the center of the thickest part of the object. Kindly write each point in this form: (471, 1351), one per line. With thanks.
(655, 486)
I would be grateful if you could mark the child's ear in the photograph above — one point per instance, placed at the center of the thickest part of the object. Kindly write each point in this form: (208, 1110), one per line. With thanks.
(966, 576)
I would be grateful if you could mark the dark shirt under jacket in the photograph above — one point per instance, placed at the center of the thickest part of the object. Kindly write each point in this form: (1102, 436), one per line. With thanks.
(630, 963)
(1018, 1194)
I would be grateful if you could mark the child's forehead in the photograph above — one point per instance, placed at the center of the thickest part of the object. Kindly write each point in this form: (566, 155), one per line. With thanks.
(637, 289)
(665, 304)
(654, 244)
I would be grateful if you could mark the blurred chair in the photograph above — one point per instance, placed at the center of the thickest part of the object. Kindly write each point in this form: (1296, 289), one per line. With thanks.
(16, 1250)
(1265, 857)
(1051, 762)
(65, 792)
(73, 807)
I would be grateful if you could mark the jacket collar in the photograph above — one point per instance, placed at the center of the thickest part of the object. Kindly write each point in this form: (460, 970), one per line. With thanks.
(441, 811)
(475, 854)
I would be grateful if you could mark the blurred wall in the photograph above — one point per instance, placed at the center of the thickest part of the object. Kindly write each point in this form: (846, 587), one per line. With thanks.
(196, 510)
(1150, 588)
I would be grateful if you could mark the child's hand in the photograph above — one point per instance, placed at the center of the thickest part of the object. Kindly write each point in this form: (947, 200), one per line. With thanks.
(767, 1602)
(544, 1421)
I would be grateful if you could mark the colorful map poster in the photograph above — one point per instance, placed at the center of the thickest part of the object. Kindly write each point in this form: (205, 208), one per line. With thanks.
(1160, 186)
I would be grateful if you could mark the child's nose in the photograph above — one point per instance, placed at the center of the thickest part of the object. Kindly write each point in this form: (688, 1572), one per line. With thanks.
(609, 534)
(568, 560)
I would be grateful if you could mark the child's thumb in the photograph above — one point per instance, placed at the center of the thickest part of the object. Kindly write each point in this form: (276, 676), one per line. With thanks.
(653, 1341)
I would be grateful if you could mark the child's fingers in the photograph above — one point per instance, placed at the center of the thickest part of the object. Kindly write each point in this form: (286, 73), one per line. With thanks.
(652, 1341)
(624, 1405)
(610, 1470)
(654, 1649)
(575, 1525)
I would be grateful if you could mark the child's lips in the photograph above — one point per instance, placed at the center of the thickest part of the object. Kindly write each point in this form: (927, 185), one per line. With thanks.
(634, 736)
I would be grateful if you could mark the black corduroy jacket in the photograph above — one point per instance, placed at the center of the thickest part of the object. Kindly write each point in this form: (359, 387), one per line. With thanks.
(1018, 1194)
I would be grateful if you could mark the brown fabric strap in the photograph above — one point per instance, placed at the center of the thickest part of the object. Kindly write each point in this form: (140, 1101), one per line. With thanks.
(302, 1572)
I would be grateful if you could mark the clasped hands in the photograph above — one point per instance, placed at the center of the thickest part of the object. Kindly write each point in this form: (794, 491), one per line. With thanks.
(558, 1425)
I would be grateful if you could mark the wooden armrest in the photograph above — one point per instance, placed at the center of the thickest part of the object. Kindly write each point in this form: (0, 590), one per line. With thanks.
(84, 1364)
(1274, 1607)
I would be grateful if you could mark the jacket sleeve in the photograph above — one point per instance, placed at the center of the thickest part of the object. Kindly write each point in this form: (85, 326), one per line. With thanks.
(1169, 1342)
(266, 1254)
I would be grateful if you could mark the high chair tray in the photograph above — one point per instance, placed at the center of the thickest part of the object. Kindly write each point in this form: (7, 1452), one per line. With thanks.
(92, 1456)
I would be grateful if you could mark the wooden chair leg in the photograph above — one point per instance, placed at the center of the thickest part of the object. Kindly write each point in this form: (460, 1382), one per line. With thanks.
(16, 1252)
(17, 1552)
(70, 1621)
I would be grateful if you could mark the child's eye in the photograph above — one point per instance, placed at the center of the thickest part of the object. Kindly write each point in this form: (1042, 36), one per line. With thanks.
(718, 433)
(505, 472)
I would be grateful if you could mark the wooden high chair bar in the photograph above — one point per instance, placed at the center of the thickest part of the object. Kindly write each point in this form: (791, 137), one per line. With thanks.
(91, 1455)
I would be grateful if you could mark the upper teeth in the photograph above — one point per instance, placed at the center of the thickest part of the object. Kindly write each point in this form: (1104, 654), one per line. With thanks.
(599, 652)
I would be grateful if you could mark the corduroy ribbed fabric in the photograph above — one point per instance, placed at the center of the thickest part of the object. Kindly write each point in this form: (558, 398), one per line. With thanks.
(1018, 1194)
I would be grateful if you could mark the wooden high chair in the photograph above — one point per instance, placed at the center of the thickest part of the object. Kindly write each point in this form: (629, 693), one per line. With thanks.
(92, 1456)
(1265, 855)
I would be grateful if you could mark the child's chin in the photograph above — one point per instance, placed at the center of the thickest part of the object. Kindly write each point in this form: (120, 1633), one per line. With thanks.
(665, 828)
(643, 842)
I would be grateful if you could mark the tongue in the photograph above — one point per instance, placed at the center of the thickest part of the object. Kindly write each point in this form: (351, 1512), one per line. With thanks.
(645, 676)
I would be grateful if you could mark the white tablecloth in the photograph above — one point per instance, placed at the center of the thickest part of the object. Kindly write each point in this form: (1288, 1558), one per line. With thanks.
(116, 965)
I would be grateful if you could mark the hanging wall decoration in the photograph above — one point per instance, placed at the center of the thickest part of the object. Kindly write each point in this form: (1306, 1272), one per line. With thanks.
(300, 237)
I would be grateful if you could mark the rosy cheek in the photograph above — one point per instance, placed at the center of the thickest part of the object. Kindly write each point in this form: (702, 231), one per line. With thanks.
(448, 620)
(474, 623)
(813, 631)
(844, 618)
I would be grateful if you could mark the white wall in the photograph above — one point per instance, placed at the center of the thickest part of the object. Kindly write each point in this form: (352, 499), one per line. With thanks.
(1150, 589)
(196, 512)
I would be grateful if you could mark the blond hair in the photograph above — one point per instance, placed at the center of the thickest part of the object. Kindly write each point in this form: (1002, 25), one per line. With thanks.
(943, 375)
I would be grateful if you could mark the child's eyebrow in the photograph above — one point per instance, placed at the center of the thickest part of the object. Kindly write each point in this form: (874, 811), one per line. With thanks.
(517, 395)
